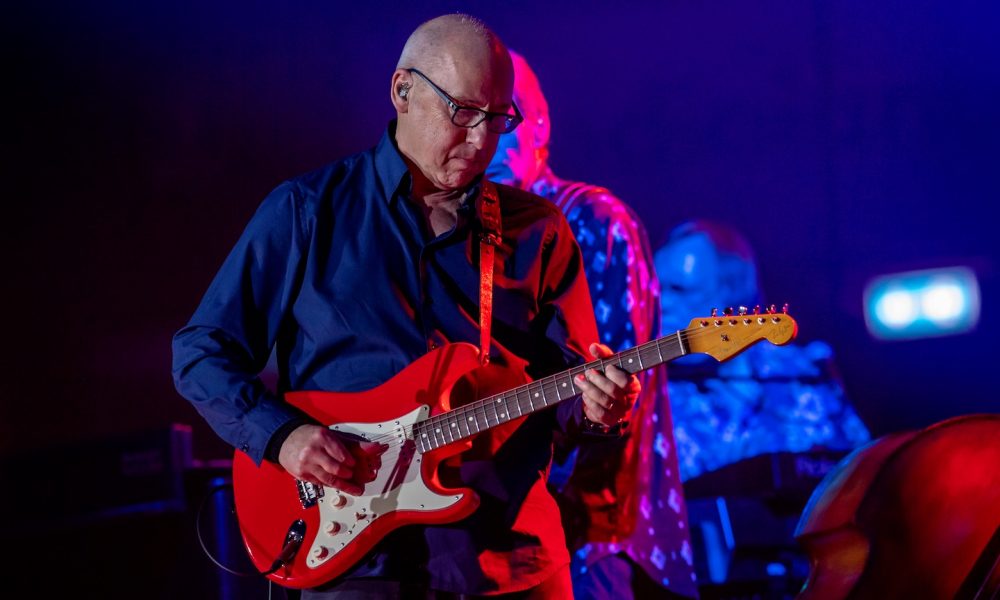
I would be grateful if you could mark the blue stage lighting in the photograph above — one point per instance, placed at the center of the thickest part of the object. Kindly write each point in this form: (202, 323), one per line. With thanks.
(922, 303)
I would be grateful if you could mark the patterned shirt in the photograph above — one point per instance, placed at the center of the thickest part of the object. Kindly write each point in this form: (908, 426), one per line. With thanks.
(640, 509)
(767, 399)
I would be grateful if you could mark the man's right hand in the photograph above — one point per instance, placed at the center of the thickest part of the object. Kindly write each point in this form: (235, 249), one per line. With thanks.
(315, 454)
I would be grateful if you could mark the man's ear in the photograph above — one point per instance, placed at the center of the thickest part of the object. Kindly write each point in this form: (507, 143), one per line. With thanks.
(399, 90)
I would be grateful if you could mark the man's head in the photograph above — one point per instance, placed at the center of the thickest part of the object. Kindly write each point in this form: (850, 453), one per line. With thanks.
(704, 264)
(523, 154)
(453, 58)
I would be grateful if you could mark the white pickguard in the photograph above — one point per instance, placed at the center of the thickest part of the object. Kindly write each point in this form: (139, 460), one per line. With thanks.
(398, 486)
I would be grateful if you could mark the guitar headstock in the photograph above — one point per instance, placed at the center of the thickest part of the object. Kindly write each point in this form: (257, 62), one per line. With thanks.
(724, 336)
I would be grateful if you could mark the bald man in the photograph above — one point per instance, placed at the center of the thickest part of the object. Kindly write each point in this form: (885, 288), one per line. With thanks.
(354, 271)
(623, 503)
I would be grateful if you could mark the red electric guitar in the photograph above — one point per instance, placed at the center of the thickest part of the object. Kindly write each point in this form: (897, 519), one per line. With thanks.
(303, 535)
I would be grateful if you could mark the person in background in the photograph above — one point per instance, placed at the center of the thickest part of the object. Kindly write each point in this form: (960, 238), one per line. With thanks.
(622, 502)
(767, 399)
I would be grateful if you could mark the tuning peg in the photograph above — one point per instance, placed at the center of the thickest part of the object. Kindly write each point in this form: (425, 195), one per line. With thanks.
(784, 309)
(771, 310)
(728, 311)
(756, 309)
(743, 311)
(715, 312)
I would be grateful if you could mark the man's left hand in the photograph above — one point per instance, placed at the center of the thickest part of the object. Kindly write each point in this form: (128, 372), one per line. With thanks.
(607, 397)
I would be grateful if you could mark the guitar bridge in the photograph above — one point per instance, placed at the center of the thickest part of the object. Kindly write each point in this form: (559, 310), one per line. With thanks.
(309, 493)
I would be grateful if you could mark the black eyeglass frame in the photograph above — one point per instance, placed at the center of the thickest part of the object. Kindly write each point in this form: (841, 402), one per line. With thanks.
(511, 121)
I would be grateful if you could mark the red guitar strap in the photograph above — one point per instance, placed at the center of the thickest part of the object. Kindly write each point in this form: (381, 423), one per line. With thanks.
(489, 238)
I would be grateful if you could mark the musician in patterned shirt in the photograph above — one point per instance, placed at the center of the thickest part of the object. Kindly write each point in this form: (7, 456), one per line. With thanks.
(623, 506)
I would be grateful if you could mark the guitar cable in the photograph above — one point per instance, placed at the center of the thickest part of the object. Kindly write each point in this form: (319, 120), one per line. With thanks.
(201, 540)
(287, 552)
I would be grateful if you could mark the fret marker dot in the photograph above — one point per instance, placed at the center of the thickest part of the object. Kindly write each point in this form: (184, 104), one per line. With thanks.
(630, 361)
(425, 435)
(437, 430)
(453, 424)
(470, 418)
(536, 394)
(503, 415)
(564, 384)
(498, 400)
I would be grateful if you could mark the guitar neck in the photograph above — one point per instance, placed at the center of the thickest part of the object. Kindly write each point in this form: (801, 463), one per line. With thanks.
(466, 421)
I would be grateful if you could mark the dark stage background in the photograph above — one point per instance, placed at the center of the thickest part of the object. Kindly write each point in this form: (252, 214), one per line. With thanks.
(846, 138)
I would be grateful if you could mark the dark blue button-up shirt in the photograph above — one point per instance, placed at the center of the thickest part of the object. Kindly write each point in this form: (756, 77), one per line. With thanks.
(339, 272)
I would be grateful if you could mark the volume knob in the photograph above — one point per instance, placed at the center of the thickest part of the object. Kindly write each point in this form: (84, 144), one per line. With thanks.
(320, 552)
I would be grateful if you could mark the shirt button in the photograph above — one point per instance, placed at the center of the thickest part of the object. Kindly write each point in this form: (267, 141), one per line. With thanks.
(432, 345)
(245, 447)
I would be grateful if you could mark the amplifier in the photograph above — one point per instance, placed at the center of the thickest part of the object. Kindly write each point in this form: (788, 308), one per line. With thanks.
(131, 473)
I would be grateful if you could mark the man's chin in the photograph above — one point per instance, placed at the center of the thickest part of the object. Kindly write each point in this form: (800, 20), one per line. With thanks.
(456, 180)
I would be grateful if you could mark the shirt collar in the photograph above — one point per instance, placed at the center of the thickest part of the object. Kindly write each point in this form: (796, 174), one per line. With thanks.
(389, 165)
(394, 175)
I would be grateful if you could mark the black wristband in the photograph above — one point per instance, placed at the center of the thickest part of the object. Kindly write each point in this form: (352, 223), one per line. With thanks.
(273, 449)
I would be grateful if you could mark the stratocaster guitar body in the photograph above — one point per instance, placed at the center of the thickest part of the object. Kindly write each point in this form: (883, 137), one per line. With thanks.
(303, 535)
(340, 529)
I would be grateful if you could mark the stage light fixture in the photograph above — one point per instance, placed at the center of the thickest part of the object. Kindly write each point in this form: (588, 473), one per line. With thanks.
(919, 304)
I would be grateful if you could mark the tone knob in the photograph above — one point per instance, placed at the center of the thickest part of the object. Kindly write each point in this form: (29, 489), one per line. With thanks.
(338, 500)
(332, 527)
(320, 552)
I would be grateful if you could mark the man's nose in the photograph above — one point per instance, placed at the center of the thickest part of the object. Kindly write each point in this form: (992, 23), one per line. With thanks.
(477, 135)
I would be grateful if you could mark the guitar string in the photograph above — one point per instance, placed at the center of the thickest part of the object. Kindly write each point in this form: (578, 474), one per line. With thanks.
(689, 334)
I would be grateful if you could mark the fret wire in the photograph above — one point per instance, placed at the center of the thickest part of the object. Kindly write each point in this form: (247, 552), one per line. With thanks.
(438, 432)
(652, 353)
(572, 378)
(567, 384)
(425, 435)
(495, 412)
(481, 407)
(552, 383)
(417, 435)
(462, 417)
(431, 444)
(525, 394)
(475, 415)
(436, 426)
(520, 413)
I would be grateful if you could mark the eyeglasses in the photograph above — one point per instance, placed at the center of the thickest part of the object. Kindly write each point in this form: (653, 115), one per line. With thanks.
(470, 116)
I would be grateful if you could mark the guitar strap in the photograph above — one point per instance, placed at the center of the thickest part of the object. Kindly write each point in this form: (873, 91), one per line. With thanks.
(489, 239)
